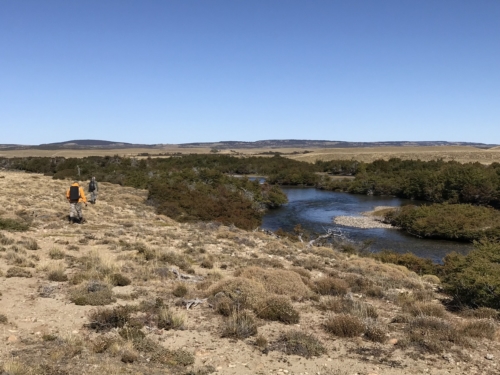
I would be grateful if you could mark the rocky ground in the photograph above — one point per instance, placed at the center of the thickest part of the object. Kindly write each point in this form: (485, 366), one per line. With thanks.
(111, 296)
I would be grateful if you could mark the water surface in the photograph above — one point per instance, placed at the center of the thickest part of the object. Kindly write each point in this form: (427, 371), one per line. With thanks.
(315, 209)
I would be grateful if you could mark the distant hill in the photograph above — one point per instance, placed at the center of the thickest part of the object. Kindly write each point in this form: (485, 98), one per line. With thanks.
(83, 144)
(89, 144)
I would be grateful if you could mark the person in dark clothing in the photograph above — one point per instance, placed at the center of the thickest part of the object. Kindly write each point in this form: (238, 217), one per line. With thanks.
(93, 189)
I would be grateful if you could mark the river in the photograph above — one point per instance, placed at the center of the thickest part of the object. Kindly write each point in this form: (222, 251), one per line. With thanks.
(315, 209)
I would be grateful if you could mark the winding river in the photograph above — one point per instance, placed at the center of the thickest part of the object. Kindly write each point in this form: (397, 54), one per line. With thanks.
(315, 209)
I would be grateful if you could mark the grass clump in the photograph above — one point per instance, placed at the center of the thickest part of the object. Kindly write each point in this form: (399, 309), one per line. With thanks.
(479, 329)
(341, 305)
(376, 334)
(30, 244)
(180, 290)
(159, 354)
(104, 319)
(330, 286)
(168, 320)
(481, 313)
(277, 281)
(278, 308)
(299, 343)
(3, 319)
(93, 293)
(57, 274)
(432, 335)
(344, 325)
(4, 240)
(425, 309)
(243, 292)
(18, 272)
(117, 279)
(56, 253)
(13, 225)
(240, 325)
(16, 259)
(207, 263)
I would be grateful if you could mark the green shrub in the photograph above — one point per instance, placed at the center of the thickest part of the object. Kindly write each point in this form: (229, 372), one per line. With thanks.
(448, 221)
(474, 279)
(414, 263)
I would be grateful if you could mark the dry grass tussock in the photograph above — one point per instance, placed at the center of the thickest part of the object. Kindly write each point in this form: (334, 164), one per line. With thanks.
(111, 282)
(277, 281)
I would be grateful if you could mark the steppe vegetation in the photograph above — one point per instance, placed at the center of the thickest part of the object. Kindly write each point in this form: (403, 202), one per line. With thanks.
(110, 296)
(121, 283)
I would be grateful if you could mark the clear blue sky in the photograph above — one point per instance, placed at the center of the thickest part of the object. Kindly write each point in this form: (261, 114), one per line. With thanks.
(181, 71)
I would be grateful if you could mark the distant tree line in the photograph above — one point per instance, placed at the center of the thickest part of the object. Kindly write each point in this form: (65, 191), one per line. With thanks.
(431, 181)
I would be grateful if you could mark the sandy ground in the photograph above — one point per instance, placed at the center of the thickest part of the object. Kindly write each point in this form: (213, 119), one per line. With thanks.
(120, 217)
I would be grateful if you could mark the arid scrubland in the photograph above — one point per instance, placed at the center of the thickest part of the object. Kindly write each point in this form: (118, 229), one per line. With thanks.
(462, 154)
(111, 296)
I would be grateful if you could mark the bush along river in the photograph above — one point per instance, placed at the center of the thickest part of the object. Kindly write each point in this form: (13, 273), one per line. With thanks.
(315, 210)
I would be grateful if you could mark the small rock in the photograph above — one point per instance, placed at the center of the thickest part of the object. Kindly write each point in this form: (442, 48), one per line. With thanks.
(75, 332)
(12, 339)
(489, 357)
(393, 341)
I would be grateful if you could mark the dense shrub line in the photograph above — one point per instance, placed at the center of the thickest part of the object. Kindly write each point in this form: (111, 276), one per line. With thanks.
(448, 221)
(432, 181)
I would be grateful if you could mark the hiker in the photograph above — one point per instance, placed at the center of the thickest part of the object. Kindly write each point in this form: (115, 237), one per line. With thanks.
(75, 196)
(93, 190)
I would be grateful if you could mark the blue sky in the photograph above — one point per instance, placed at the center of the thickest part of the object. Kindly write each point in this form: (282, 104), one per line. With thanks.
(198, 71)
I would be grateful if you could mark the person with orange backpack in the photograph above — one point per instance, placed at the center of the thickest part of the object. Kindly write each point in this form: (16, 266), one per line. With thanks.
(75, 197)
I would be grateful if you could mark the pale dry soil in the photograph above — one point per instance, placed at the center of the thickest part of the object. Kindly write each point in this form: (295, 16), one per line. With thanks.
(121, 219)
